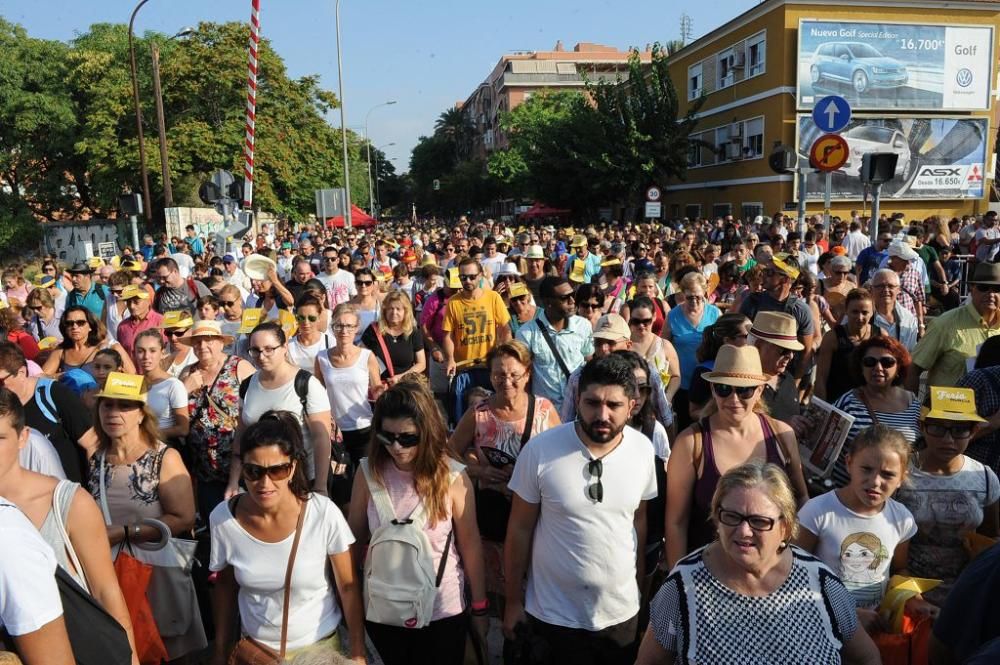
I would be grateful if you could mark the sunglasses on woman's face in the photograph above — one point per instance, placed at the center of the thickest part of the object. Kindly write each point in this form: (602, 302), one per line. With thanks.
(254, 472)
(364, 282)
(405, 440)
(724, 390)
(311, 318)
(885, 361)
(76, 323)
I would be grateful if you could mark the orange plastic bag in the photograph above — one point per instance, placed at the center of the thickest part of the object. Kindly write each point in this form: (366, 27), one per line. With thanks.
(133, 578)
(911, 647)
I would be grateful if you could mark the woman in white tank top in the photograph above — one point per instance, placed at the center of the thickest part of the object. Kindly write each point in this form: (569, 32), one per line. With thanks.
(350, 375)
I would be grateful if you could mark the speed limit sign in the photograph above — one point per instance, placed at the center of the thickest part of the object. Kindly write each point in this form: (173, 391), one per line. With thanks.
(653, 194)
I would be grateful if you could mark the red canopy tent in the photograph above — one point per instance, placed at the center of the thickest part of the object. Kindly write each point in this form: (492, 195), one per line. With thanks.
(542, 210)
(359, 218)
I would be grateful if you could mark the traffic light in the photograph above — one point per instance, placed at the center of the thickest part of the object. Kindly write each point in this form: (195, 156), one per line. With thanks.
(209, 192)
(878, 167)
(783, 160)
(235, 190)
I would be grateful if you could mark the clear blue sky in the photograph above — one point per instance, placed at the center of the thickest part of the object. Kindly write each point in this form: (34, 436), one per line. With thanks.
(426, 54)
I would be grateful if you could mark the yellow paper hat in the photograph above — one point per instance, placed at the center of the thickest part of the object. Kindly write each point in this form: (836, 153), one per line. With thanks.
(576, 274)
(713, 282)
(133, 291)
(949, 403)
(287, 322)
(251, 317)
(95, 262)
(611, 262)
(453, 281)
(428, 260)
(518, 289)
(115, 261)
(785, 268)
(123, 386)
(177, 318)
(43, 280)
(47, 343)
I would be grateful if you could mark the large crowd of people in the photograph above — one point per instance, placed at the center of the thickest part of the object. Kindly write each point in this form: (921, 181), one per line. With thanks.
(326, 445)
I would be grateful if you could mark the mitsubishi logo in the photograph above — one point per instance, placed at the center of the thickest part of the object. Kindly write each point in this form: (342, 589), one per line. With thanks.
(964, 77)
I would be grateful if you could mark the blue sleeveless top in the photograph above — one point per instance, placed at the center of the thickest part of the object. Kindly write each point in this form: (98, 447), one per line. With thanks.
(687, 338)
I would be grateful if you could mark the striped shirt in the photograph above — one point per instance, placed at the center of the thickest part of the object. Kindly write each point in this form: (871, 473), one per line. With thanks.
(905, 422)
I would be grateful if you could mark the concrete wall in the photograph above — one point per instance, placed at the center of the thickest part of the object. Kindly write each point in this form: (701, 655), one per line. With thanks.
(69, 241)
(206, 221)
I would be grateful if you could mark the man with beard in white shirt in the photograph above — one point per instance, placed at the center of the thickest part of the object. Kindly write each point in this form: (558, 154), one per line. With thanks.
(579, 508)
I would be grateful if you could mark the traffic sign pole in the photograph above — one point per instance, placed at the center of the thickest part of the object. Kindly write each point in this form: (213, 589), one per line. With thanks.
(826, 200)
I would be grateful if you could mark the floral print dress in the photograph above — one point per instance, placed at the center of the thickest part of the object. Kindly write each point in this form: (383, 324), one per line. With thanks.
(214, 415)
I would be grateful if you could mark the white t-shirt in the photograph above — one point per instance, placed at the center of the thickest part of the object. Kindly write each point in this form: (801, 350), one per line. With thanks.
(260, 400)
(40, 456)
(986, 252)
(305, 356)
(493, 263)
(185, 264)
(166, 396)
(340, 287)
(29, 598)
(858, 548)
(660, 441)
(582, 572)
(260, 568)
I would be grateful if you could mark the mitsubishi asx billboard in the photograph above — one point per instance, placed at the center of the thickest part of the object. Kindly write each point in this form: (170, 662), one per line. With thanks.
(895, 65)
(938, 158)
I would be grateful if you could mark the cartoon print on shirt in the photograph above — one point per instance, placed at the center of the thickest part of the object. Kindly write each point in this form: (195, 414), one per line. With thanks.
(862, 567)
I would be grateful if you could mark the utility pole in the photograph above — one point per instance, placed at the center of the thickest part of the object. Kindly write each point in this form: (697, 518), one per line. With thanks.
(168, 191)
(687, 28)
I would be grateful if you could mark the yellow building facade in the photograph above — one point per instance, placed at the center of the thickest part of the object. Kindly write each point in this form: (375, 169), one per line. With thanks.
(912, 71)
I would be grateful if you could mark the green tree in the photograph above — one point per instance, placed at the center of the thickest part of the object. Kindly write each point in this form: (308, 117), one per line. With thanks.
(453, 126)
(642, 139)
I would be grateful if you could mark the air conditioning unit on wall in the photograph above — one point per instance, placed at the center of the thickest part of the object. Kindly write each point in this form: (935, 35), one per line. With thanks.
(736, 60)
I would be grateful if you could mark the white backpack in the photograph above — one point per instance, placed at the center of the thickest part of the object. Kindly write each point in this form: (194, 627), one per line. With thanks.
(400, 581)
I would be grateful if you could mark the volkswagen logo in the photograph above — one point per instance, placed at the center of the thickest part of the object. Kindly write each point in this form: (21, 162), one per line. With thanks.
(964, 77)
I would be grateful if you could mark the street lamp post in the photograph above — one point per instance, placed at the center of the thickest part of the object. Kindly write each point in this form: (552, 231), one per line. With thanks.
(343, 126)
(371, 195)
(168, 190)
(138, 123)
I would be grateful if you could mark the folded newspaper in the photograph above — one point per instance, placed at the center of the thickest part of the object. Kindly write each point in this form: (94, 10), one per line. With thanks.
(826, 431)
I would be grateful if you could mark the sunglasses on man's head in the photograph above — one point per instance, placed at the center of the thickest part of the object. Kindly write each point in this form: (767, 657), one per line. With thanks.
(725, 390)
(405, 440)
(255, 472)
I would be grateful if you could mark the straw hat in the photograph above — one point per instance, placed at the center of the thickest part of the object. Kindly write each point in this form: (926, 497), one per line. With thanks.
(204, 329)
(257, 266)
(119, 385)
(177, 318)
(535, 252)
(737, 366)
(949, 403)
(612, 327)
(777, 328)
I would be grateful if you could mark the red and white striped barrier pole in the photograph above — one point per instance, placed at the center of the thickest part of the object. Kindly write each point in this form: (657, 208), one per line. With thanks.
(251, 103)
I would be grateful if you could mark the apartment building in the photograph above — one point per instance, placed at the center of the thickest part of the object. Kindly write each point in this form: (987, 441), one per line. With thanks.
(921, 77)
(521, 74)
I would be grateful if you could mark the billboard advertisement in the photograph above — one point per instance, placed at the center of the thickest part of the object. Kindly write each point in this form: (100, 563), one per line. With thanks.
(895, 65)
(939, 158)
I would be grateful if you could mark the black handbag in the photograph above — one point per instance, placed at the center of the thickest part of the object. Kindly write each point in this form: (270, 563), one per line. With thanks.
(492, 506)
(95, 636)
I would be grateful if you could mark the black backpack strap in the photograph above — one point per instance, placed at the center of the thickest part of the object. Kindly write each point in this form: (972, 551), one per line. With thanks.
(555, 351)
(444, 558)
(245, 386)
(526, 434)
(302, 390)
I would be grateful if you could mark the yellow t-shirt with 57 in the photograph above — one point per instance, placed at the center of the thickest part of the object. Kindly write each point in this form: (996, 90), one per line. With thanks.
(472, 324)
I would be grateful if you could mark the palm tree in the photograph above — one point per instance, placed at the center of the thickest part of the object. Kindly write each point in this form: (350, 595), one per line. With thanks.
(453, 126)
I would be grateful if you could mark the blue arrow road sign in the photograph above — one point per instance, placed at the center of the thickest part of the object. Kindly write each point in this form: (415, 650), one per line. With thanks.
(832, 113)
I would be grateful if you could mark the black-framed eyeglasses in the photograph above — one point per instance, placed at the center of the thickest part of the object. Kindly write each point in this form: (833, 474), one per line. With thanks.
(731, 518)
(254, 472)
(405, 440)
(595, 491)
(724, 390)
(885, 361)
(962, 431)
(263, 350)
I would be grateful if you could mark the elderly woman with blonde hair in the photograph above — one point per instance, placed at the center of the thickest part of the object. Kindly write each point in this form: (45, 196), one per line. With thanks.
(751, 590)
